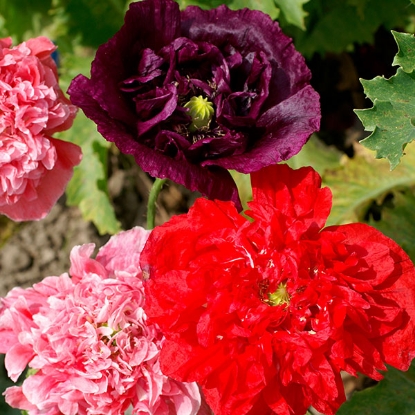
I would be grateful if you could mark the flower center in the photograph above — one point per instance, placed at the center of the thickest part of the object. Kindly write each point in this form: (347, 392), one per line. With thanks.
(201, 110)
(108, 334)
(280, 296)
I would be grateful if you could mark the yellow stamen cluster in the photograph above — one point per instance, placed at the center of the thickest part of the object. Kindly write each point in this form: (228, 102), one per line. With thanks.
(280, 296)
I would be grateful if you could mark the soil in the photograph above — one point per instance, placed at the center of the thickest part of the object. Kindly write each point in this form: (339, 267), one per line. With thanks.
(39, 249)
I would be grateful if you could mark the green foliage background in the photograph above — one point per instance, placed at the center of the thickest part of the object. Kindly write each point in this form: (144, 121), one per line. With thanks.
(361, 185)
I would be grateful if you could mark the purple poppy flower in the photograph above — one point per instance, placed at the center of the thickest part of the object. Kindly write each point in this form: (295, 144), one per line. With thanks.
(192, 94)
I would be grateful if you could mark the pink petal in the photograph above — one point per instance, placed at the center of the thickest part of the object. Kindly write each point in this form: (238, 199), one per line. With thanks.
(122, 251)
(51, 186)
(17, 359)
(16, 399)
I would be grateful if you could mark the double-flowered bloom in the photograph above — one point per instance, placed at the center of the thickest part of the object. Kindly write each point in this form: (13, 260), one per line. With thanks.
(34, 166)
(265, 313)
(192, 94)
(87, 341)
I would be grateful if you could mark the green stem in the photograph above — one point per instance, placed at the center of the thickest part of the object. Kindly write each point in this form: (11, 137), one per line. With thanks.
(152, 201)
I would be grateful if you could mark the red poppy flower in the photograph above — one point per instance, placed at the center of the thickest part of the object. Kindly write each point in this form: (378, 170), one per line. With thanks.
(264, 314)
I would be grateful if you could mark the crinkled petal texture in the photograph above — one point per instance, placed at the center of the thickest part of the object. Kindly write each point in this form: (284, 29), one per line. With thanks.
(88, 340)
(34, 167)
(265, 314)
(264, 108)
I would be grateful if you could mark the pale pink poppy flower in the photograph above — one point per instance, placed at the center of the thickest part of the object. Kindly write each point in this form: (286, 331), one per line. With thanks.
(34, 166)
(87, 340)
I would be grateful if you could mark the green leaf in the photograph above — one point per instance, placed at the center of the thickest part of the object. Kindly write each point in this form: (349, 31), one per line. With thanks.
(22, 19)
(88, 187)
(94, 20)
(405, 57)
(265, 6)
(293, 11)
(360, 6)
(398, 220)
(362, 180)
(317, 155)
(392, 115)
(393, 395)
(75, 62)
(204, 4)
(335, 26)
(243, 183)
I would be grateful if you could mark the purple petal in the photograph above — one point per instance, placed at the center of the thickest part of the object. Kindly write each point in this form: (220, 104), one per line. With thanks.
(151, 24)
(214, 182)
(287, 128)
(240, 61)
(148, 68)
(251, 30)
(154, 107)
(148, 24)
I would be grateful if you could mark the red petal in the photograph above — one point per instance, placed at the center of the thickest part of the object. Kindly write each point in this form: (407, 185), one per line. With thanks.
(394, 279)
(295, 193)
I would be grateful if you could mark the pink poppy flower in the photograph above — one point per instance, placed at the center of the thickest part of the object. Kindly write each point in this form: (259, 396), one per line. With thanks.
(34, 166)
(87, 340)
